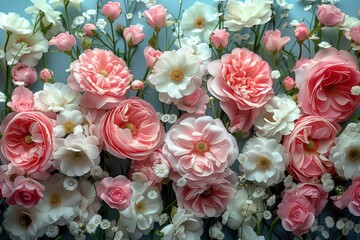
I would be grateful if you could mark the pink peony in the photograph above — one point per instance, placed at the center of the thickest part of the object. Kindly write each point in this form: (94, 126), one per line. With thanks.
(27, 141)
(329, 15)
(156, 17)
(207, 198)
(132, 130)
(151, 55)
(325, 84)
(220, 38)
(111, 11)
(200, 148)
(309, 147)
(273, 41)
(296, 214)
(63, 41)
(23, 74)
(104, 77)
(351, 197)
(301, 32)
(21, 100)
(355, 34)
(194, 103)
(89, 29)
(27, 192)
(241, 81)
(289, 83)
(116, 192)
(133, 35)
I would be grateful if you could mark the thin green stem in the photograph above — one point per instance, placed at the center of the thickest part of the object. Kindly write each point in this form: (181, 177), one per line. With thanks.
(113, 37)
(272, 226)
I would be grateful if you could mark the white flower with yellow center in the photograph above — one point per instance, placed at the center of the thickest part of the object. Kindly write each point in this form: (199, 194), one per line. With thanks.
(69, 122)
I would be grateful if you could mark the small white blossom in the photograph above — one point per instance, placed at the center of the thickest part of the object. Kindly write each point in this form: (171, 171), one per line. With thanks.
(165, 118)
(271, 201)
(129, 16)
(324, 44)
(78, 20)
(163, 219)
(357, 228)
(259, 192)
(70, 184)
(96, 171)
(294, 23)
(105, 224)
(91, 227)
(152, 194)
(267, 215)
(345, 231)
(307, 8)
(288, 182)
(315, 226)
(161, 170)
(275, 74)
(52, 231)
(118, 235)
(2, 97)
(329, 222)
(74, 228)
(349, 224)
(181, 182)
(101, 24)
(215, 232)
(340, 224)
(172, 118)
(355, 90)
(325, 234)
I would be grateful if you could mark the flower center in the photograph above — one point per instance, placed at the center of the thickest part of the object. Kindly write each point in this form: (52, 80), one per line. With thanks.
(28, 139)
(199, 22)
(201, 147)
(140, 207)
(104, 73)
(130, 126)
(69, 127)
(118, 195)
(55, 200)
(311, 146)
(77, 156)
(12, 177)
(25, 220)
(263, 163)
(207, 193)
(26, 196)
(177, 75)
(353, 154)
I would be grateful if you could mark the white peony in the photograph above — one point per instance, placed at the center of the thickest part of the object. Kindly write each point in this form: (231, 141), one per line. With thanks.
(12, 22)
(75, 3)
(277, 117)
(346, 152)
(68, 122)
(90, 204)
(199, 23)
(76, 154)
(240, 14)
(264, 161)
(184, 225)
(50, 15)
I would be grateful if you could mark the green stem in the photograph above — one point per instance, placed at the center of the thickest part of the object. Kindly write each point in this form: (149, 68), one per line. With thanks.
(300, 49)
(67, 17)
(272, 226)
(113, 37)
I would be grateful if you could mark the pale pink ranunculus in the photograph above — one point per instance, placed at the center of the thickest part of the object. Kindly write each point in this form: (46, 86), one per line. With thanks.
(296, 214)
(116, 192)
(156, 16)
(220, 38)
(242, 82)
(194, 103)
(23, 74)
(46, 74)
(151, 55)
(21, 100)
(104, 78)
(27, 141)
(329, 15)
(137, 85)
(309, 147)
(200, 148)
(355, 34)
(27, 192)
(207, 198)
(273, 41)
(63, 41)
(111, 10)
(351, 197)
(133, 35)
(289, 83)
(89, 29)
(132, 129)
(325, 84)
(301, 32)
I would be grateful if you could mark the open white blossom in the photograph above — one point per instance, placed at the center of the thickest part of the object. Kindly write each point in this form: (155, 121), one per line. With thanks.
(70, 184)
(50, 15)
(12, 22)
(215, 231)
(52, 231)
(75, 3)
(69, 122)
(90, 204)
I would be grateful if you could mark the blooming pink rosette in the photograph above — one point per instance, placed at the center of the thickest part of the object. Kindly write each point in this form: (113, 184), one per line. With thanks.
(156, 16)
(241, 81)
(133, 35)
(194, 103)
(104, 78)
(329, 15)
(27, 141)
(309, 147)
(23, 74)
(199, 148)
(325, 84)
(273, 41)
(132, 130)
(116, 192)
(351, 197)
(111, 11)
(21, 100)
(220, 38)
(63, 41)
(301, 32)
(151, 55)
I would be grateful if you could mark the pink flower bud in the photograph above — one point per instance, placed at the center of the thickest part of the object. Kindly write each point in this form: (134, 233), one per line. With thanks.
(289, 83)
(23, 74)
(89, 29)
(220, 38)
(111, 11)
(137, 85)
(273, 41)
(46, 74)
(329, 15)
(156, 16)
(133, 33)
(151, 55)
(301, 32)
(63, 41)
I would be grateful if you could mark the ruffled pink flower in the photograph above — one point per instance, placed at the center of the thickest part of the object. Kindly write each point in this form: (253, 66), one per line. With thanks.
(220, 38)
(351, 197)
(309, 147)
(301, 32)
(104, 78)
(63, 41)
(151, 55)
(23, 74)
(89, 29)
(273, 41)
(26, 192)
(194, 103)
(116, 192)
(241, 81)
(296, 214)
(156, 16)
(21, 100)
(325, 84)
(133, 35)
(329, 15)
(111, 11)
(8, 173)
(289, 83)
(132, 130)
(200, 148)
(207, 198)
(27, 141)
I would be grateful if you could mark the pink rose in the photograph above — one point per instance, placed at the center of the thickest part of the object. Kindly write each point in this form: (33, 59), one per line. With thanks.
(116, 192)
(273, 41)
(301, 32)
(133, 35)
(156, 17)
(8, 173)
(151, 55)
(296, 214)
(309, 147)
(325, 84)
(355, 34)
(220, 38)
(23, 74)
(63, 41)
(111, 11)
(27, 141)
(46, 75)
(26, 192)
(194, 103)
(329, 15)
(351, 197)
(89, 29)
(137, 85)
(289, 83)
(132, 130)
(300, 62)
(103, 77)
(200, 148)
(241, 81)
(21, 100)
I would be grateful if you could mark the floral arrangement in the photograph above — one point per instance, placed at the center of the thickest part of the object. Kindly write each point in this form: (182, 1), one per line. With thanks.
(243, 124)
